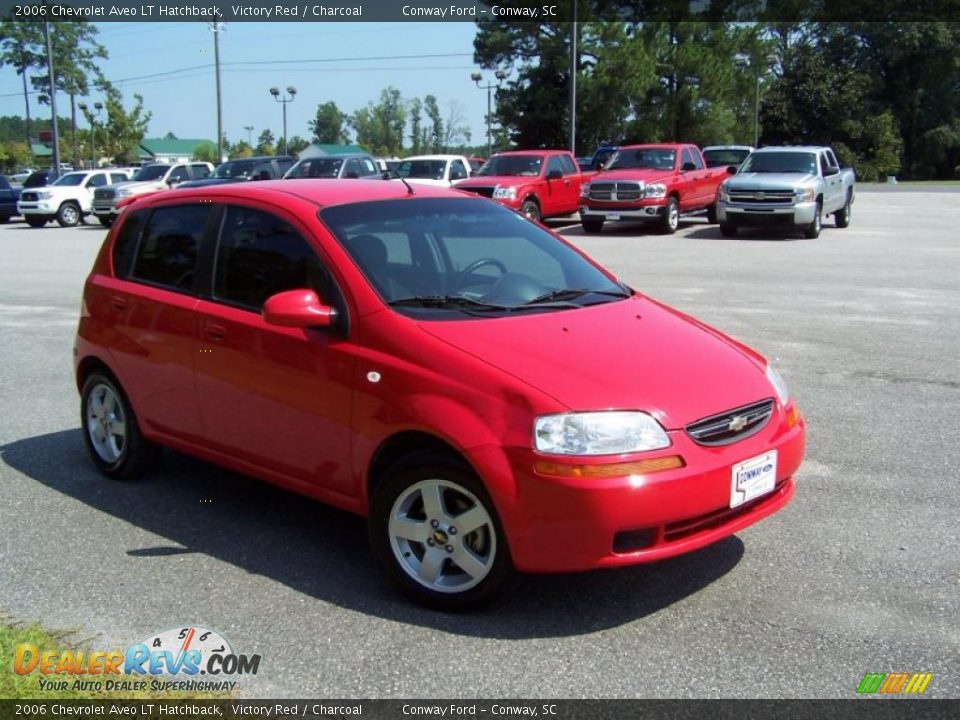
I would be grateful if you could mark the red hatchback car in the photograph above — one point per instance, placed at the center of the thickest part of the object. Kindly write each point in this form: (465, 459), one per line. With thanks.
(489, 397)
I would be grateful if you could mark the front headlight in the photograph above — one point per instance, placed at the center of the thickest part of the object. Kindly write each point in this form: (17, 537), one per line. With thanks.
(598, 433)
(804, 194)
(505, 193)
(778, 384)
(585, 190)
(122, 192)
(44, 195)
(656, 190)
(723, 193)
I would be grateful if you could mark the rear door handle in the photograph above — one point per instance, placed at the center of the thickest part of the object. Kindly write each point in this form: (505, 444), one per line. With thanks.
(119, 302)
(215, 332)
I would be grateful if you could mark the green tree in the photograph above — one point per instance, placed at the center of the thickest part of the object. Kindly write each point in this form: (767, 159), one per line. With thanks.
(123, 130)
(14, 155)
(328, 125)
(20, 44)
(416, 131)
(297, 144)
(436, 135)
(455, 130)
(241, 149)
(206, 152)
(266, 143)
(380, 126)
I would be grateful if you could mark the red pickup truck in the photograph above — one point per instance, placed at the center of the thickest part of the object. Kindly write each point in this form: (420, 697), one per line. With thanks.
(651, 183)
(538, 183)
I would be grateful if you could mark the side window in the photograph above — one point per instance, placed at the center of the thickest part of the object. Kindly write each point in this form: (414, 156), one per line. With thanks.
(689, 157)
(98, 180)
(118, 178)
(260, 255)
(180, 173)
(457, 170)
(553, 164)
(126, 243)
(200, 171)
(569, 167)
(352, 169)
(168, 250)
(831, 159)
(695, 159)
(368, 167)
(284, 165)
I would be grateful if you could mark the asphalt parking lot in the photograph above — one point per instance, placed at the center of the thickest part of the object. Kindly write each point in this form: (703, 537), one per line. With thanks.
(861, 573)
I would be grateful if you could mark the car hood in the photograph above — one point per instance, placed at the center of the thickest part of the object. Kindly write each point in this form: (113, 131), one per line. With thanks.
(633, 354)
(647, 175)
(139, 186)
(210, 181)
(426, 181)
(496, 180)
(769, 181)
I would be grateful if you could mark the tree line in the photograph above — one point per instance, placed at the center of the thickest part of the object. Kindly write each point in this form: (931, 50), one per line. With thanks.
(884, 94)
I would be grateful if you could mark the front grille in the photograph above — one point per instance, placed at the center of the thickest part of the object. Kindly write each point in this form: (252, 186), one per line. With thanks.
(708, 521)
(486, 191)
(732, 425)
(628, 191)
(763, 218)
(762, 197)
(104, 194)
(29, 196)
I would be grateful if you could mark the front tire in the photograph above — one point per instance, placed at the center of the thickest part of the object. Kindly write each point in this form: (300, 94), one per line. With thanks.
(671, 217)
(812, 231)
(110, 429)
(842, 216)
(531, 210)
(436, 534)
(68, 215)
(592, 225)
(728, 230)
(712, 214)
(35, 222)
(105, 220)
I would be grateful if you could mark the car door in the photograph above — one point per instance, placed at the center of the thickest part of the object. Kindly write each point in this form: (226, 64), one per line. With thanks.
(152, 301)
(552, 200)
(691, 181)
(93, 182)
(571, 185)
(276, 397)
(833, 184)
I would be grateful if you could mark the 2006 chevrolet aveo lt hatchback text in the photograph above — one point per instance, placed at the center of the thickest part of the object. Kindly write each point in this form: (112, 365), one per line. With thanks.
(490, 398)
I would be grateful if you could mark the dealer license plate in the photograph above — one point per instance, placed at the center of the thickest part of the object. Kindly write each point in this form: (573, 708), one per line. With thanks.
(753, 478)
(613, 216)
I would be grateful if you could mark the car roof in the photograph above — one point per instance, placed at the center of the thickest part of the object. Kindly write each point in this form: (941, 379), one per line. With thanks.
(335, 156)
(434, 157)
(261, 158)
(798, 148)
(728, 147)
(537, 151)
(321, 192)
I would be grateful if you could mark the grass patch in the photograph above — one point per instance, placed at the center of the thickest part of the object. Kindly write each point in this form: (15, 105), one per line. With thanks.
(27, 687)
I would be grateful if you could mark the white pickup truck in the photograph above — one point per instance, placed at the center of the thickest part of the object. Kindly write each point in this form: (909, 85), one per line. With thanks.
(149, 179)
(68, 200)
(439, 170)
(786, 187)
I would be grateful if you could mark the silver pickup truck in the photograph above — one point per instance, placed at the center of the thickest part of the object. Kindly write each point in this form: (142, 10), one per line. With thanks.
(786, 187)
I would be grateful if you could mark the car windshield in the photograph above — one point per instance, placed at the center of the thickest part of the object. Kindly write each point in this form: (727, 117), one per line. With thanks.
(71, 179)
(724, 157)
(781, 162)
(422, 169)
(151, 172)
(236, 169)
(322, 167)
(524, 165)
(643, 157)
(450, 257)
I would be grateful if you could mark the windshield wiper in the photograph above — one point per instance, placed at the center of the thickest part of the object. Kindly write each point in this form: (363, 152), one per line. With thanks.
(466, 304)
(571, 293)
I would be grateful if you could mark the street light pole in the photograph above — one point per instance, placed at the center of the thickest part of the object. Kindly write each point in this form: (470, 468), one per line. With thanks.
(743, 61)
(249, 129)
(477, 77)
(291, 91)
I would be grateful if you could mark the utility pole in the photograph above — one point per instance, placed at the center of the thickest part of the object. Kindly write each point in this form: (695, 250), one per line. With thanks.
(216, 28)
(291, 91)
(53, 99)
(477, 77)
(573, 80)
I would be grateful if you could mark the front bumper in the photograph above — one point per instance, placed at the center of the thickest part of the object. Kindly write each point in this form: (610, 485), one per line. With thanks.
(571, 524)
(38, 207)
(757, 215)
(649, 211)
(105, 208)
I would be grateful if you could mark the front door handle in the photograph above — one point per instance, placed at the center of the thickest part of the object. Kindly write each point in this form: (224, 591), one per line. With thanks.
(215, 332)
(119, 302)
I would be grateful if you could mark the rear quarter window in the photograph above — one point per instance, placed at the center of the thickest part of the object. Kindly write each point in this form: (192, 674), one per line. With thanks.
(125, 243)
(170, 246)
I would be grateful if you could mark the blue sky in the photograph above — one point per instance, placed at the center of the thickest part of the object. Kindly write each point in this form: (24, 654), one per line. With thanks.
(277, 54)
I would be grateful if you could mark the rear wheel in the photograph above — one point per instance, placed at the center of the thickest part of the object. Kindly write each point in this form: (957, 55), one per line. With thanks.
(812, 231)
(68, 215)
(671, 217)
(712, 214)
(842, 216)
(35, 222)
(110, 429)
(436, 534)
(592, 224)
(531, 210)
(728, 230)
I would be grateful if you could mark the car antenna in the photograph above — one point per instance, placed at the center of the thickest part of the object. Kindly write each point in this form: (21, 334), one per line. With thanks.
(388, 173)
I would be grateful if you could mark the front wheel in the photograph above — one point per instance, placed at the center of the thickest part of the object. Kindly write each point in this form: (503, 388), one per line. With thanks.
(436, 534)
(68, 215)
(712, 214)
(592, 224)
(110, 429)
(531, 210)
(671, 217)
(728, 230)
(842, 216)
(812, 231)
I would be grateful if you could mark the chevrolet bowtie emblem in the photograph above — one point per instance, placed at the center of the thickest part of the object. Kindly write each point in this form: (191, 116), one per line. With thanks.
(737, 424)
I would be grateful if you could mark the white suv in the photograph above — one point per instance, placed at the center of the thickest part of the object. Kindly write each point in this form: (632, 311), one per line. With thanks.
(68, 200)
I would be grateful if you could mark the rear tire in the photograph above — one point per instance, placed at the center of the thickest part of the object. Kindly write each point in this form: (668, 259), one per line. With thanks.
(68, 215)
(728, 230)
(712, 214)
(812, 231)
(671, 217)
(110, 430)
(592, 225)
(413, 529)
(842, 216)
(35, 222)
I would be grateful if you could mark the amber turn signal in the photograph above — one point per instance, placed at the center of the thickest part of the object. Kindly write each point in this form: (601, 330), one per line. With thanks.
(640, 467)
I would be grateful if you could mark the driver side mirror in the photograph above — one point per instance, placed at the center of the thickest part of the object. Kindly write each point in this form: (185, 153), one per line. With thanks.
(298, 309)
(554, 174)
(731, 169)
(687, 167)
(831, 170)
(174, 181)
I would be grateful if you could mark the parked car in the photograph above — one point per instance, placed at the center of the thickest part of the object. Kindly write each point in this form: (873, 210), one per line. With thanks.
(68, 200)
(475, 164)
(18, 177)
(538, 183)
(267, 167)
(39, 178)
(787, 187)
(439, 170)
(148, 179)
(9, 196)
(651, 183)
(488, 396)
(726, 155)
(349, 166)
(599, 159)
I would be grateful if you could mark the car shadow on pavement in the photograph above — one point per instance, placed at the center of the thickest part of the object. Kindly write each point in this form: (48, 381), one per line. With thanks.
(625, 230)
(712, 232)
(322, 552)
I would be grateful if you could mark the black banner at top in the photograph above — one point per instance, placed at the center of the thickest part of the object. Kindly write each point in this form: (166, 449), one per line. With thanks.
(532, 11)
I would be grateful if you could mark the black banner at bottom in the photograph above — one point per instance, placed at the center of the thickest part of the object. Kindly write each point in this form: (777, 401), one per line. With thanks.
(857, 709)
